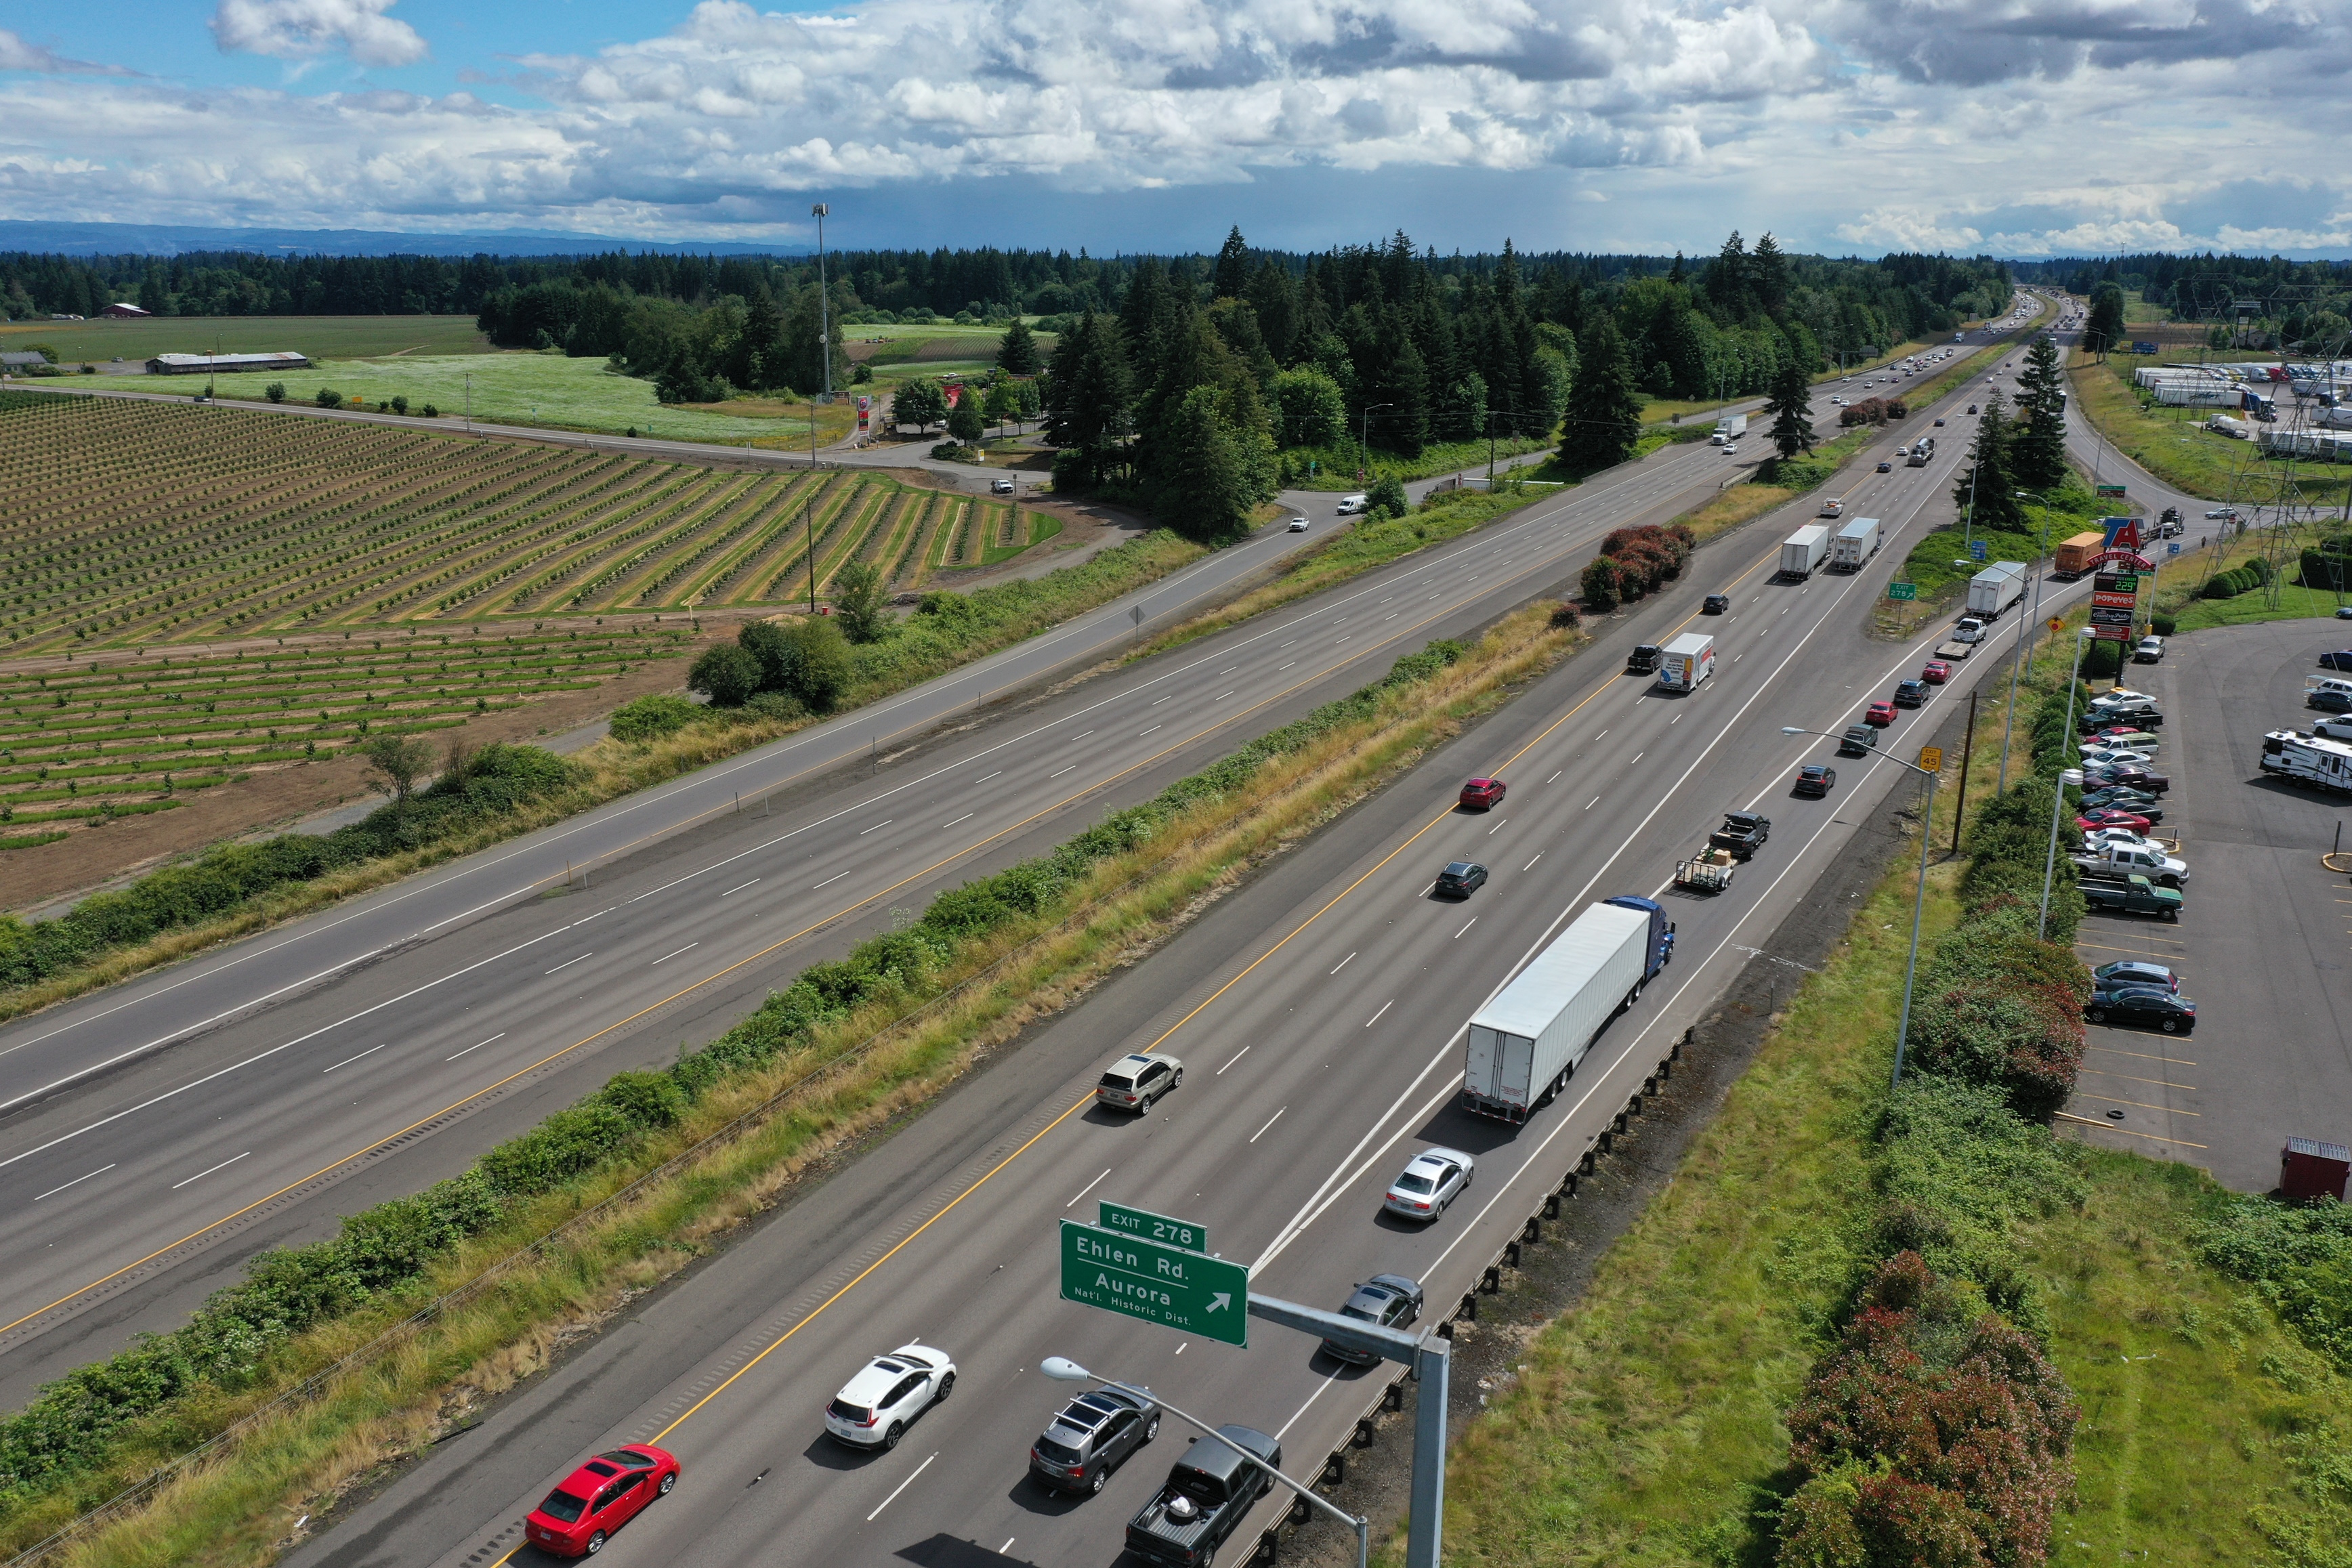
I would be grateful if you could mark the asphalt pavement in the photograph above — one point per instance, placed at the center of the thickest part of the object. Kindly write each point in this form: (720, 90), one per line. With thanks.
(159, 1133)
(2262, 945)
(1320, 1012)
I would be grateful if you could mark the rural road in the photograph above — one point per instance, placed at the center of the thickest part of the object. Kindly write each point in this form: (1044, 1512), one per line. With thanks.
(157, 1134)
(1318, 1012)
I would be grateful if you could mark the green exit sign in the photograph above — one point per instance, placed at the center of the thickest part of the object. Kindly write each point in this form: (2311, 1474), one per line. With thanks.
(1155, 1281)
(1902, 591)
(1153, 1226)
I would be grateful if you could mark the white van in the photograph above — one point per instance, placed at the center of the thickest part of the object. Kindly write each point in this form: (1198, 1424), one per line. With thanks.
(1352, 504)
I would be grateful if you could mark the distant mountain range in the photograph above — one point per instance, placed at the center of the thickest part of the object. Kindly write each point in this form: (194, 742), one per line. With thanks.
(162, 239)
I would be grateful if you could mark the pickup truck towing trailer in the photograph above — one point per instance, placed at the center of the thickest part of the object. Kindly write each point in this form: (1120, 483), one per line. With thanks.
(1854, 545)
(1743, 833)
(1523, 1045)
(2311, 760)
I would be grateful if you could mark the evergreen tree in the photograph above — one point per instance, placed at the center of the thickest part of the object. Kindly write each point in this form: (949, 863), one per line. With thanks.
(2037, 447)
(1275, 297)
(2103, 329)
(1089, 398)
(1984, 493)
(1016, 352)
(1793, 389)
(1727, 280)
(1231, 278)
(1206, 491)
(759, 360)
(1768, 271)
(1604, 416)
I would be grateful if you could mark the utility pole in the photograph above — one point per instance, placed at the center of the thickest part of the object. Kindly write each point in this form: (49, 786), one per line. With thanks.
(1968, 750)
(824, 319)
(2057, 784)
(1364, 442)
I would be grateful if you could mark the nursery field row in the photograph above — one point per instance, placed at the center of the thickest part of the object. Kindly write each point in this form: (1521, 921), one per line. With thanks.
(134, 524)
(129, 734)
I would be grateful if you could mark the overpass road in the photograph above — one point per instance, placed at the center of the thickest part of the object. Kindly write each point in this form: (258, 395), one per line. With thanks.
(154, 1136)
(1318, 1011)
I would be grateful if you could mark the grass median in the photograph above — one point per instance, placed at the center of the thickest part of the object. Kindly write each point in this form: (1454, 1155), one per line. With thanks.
(1647, 1425)
(750, 1131)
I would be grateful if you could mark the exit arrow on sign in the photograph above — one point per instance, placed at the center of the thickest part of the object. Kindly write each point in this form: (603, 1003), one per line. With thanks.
(1220, 1300)
(1140, 1278)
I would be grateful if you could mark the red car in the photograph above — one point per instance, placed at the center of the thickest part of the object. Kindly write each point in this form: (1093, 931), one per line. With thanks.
(1880, 714)
(1483, 794)
(2112, 817)
(1935, 671)
(577, 1517)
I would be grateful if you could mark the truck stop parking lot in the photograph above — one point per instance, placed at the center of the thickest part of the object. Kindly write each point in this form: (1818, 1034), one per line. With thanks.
(2265, 940)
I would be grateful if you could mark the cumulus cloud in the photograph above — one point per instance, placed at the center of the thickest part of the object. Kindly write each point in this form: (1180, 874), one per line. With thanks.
(2018, 126)
(306, 29)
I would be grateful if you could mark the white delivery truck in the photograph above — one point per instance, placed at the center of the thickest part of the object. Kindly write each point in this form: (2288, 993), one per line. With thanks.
(1687, 661)
(1996, 588)
(1350, 505)
(1855, 543)
(1802, 551)
(1523, 1044)
(1728, 429)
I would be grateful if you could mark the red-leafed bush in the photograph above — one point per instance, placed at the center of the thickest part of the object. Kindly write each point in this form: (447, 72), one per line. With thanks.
(1956, 1402)
(1855, 1517)
(2005, 1033)
(1600, 584)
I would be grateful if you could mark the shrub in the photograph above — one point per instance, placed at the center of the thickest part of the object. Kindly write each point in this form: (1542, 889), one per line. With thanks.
(862, 600)
(1386, 497)
(2163, 625)
(775, 706)
(1564, 613)
(275, 392)
(803, 657)
(726, 673)
(1599, 584)
(399, 403)
(329, 398)
(1861, 1516)
(651, 717)
(1954, 1400)
(1998, 1036)
(2299, 1258)
(430, 412)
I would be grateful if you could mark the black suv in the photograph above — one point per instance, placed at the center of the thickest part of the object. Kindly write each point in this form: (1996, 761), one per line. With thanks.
(1815, 780)
(1715, 604)
(1460, 879)
(1911, 694)
(1092, 1436)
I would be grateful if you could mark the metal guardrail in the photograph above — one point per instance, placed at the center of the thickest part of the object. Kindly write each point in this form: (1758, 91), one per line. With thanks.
(1390, 1394)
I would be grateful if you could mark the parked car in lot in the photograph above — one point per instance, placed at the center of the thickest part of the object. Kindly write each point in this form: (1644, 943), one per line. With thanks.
(1137, 1081)
(2111, 817)
(1911, 694)
(2337, 727)
(2122, 735)
(580, 1515)
(2144, 1005)
(2344, 612)
(2115, 755)
(1814, 779)
(1389, 1300)
(1483, 794)
(1460, 879)
(2328, 701)
(1092, 1436)
(1715, 604)
(1881, 714)
(2125, 838)
(2129, 775)
(2149, 651)
(2136, 802)
(2132, 894)
(2134, 972)
(875, 1408)
(1935, 671)
(2337, 661)
(1859, 740)
(1430, 1180)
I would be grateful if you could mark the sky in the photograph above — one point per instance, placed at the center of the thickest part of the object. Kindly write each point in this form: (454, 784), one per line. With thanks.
(2015, 128)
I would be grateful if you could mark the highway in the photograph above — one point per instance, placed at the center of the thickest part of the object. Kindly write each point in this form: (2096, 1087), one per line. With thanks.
(1318, 1011)
(159, 1133)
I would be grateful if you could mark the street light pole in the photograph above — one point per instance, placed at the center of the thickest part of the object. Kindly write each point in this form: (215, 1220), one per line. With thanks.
(823, 305)
(1064, 1370)
(1364, 442)
(1919, 897)
(2058, 785)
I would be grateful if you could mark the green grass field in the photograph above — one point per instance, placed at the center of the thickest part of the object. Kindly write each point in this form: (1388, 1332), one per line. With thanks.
(533, 389)
(321, 337)
(2171, 443)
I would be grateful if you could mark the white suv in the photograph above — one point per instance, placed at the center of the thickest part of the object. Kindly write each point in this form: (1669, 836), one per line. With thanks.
(875, 1408)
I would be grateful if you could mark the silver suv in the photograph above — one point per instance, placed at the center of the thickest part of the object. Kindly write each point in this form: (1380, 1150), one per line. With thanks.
(1138, 1079)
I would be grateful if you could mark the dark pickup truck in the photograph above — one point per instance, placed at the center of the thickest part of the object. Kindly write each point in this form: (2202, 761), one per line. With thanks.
(1209, 1492)
(1743, 833)
(2133, 895)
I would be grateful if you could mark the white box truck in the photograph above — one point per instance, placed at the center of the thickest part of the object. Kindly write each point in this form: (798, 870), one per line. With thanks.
(1687, 661)
(1801, 551)
(1996, 588)
(1855, 543)
(1728, 429)
(1523, 1045)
